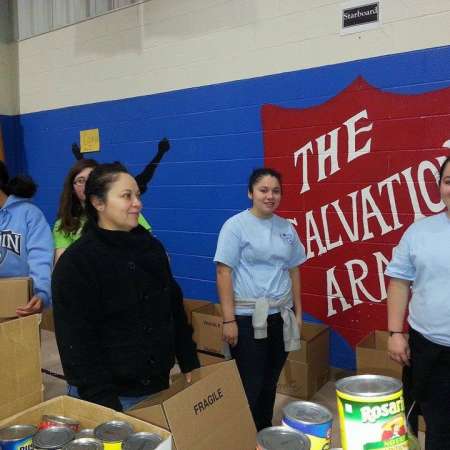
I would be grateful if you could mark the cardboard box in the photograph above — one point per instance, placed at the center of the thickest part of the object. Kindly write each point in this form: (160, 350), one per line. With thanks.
(14, 292)
(47, 322)
(89, 415)
(207, 323)
(20, 365)
(307, 370)
(206, 359)
(372, 356)
(210, 413)
(191, 304)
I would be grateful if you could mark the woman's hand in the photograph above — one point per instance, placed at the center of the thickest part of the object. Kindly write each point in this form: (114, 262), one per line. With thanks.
(34, 306)
(230, 333)
(188, 376)
(398, 349)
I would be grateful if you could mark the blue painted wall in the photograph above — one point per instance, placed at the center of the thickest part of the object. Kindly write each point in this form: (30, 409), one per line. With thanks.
(216, 139)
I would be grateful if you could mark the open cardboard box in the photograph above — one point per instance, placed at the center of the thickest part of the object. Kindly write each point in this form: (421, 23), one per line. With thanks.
(210, 413)
(89, 415)
(307, 370)
(191, 305)
(207, 323)
(14, 292)
(372, 356)
(20, 365)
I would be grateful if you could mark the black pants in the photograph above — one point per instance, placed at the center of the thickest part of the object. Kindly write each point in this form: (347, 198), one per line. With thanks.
(430, 366)
(260, 362)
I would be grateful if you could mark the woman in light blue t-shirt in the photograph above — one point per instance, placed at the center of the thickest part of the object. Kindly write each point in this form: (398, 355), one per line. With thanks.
(257, 256)
(421, 261)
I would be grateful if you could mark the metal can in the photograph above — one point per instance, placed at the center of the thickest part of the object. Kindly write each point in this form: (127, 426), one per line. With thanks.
(85, 433)
(312, 419)
(49, 421)
(371, 413)
(281, 438)
(84, 444)
(113, 433)
(17, 437)
(142, 441)
(52, 438)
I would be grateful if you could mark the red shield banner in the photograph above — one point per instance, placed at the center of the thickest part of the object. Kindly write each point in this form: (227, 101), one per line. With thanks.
(357, 171)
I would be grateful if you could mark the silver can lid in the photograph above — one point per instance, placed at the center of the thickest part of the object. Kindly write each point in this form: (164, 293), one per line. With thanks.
(86, 432)
(142, 441)
(307, 412)
(368, 385)
(281, 438)
(86, 443)
(113, 431)
(56, 437)
(17, 432)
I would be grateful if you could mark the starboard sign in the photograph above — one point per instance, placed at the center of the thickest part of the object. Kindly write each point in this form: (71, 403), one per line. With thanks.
(357, 171)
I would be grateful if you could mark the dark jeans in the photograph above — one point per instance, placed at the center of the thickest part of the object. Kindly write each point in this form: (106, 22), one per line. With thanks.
(260, 362)
(432, 389)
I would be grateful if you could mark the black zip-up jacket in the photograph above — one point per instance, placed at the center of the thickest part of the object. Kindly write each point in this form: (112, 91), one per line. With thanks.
(119, 316)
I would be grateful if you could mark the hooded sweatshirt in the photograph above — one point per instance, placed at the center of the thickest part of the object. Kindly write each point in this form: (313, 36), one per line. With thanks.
(26, 245)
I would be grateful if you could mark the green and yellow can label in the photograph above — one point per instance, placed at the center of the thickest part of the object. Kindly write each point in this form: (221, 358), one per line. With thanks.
(373, 423)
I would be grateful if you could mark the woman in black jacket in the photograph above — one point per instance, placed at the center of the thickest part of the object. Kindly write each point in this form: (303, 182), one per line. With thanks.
(119, 316)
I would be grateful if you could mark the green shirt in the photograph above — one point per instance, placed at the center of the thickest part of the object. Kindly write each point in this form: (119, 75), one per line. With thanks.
(63, 240)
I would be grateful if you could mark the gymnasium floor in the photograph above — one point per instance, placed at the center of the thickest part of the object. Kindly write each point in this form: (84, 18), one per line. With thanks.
(54, 386)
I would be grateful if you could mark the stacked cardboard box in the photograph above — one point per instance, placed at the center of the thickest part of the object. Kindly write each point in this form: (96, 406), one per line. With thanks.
(307, 370)
(207, 323)
(20, 352)
(88, 414)
(372, 356)
(191, 305)
(14, 292)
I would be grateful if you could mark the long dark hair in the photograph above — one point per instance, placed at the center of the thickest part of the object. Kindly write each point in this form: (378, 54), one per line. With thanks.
(98, 185)
(20, 186)
(71, 211)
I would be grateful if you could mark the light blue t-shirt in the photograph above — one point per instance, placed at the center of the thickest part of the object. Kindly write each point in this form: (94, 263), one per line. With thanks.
(260, 252)
(423, 257)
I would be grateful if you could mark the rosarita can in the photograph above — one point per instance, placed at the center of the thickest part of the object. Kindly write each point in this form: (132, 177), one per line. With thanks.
(84, 444)
(371, 413)
(281, 438)
(52, 438)
(17, 437)
(142, 441)
(49, 421)
(113, 433)
(312, 419)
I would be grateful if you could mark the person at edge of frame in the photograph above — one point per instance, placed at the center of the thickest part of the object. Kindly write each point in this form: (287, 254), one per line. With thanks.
(421, 265)
(26, 247)
(258, 257)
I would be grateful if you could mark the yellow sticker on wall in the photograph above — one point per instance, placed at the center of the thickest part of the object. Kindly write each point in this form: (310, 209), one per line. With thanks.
(89, 141)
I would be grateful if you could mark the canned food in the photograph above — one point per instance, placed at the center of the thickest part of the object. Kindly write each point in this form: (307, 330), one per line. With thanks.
(85, 433)
(52, 438)
(281, 438)
(312, 419)
(371, 413)
(142, 441)
(84, 444)
(113, 433)
(17, 437)
(49, 421)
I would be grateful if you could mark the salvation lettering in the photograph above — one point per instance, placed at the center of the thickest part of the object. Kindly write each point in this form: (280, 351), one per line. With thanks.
(357, 171)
